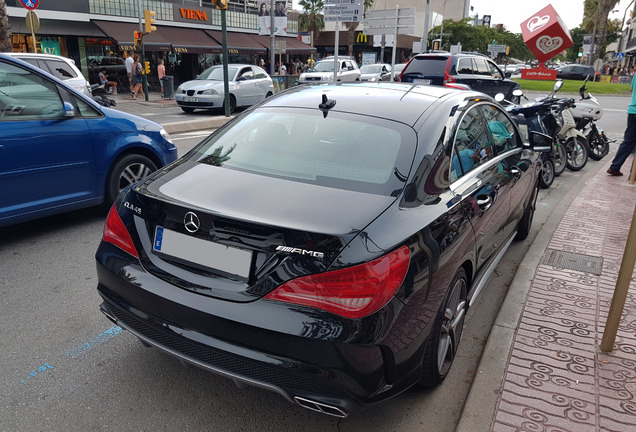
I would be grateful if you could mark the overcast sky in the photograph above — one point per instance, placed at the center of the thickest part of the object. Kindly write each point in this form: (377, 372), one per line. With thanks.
(513, 12)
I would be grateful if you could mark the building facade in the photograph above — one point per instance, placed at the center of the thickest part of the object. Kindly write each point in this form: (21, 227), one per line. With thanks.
(188, 36)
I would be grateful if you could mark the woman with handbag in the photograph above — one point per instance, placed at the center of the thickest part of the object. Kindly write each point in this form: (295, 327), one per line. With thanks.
(137, 78)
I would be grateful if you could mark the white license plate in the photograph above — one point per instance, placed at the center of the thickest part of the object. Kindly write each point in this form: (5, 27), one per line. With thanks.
(421, 81)
(209, 254)
(191, 99)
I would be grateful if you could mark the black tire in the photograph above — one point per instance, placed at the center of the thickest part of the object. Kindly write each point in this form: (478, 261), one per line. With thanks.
(188, 110)
(599, 145)
(577, 153)
(442, 344)
(268, 95)
(559, 157)
(546, 177)
(232, 105)
(127, 171)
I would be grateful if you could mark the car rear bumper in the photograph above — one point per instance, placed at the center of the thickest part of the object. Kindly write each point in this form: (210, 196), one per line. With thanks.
(332, 377)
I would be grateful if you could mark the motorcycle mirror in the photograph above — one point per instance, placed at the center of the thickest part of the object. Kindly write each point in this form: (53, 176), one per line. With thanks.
(499, 97)
(517, 92)
(557, 85)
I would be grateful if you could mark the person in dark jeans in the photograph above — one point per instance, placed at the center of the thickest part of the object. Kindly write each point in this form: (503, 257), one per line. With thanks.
(629, 140)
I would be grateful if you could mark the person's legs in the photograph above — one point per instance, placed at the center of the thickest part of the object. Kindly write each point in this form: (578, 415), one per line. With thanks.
(626, 147)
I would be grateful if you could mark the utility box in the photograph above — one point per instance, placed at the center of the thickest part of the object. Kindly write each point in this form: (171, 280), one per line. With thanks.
(168, 87)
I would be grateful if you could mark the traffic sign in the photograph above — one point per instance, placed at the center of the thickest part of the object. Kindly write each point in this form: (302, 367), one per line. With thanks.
(30, 4)
(32, 21)
(496, 48)
(390, 22)
(347, 12)
(620, 55)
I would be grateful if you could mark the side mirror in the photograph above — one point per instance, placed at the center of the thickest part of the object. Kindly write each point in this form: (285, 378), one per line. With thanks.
(557, 85)
(69, 110)
(499, 97)
(540, 142)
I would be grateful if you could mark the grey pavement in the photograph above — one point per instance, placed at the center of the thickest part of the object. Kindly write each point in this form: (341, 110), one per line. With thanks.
(542, 368)
(155, 101)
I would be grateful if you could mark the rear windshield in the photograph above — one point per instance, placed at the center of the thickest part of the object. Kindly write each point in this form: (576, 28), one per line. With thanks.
(340, 150)
(426, 66)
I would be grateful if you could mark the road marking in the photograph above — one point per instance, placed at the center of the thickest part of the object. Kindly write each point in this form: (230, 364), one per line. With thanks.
(624, 110)
(35, 372)
(100, 339)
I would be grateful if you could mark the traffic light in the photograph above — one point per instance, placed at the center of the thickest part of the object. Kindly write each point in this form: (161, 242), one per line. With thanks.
(149, 20)
(580, 52)
(222, 4)
(137, 35)
(147, 66)
(436, 44)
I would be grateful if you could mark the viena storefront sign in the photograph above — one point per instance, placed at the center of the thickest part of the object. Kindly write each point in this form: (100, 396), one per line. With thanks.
(192, 16)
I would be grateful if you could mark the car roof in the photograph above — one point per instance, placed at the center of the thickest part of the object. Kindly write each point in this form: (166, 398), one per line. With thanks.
(407, 102)
(40, 55)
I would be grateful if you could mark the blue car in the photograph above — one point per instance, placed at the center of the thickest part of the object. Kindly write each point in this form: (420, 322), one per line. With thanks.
(61, 151)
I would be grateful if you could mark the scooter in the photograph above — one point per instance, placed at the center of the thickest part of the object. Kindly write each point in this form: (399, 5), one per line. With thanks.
(99, 96)
(574, 141)
(586, 113)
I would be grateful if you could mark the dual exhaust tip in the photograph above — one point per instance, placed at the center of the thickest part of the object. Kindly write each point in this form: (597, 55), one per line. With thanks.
(320, 407)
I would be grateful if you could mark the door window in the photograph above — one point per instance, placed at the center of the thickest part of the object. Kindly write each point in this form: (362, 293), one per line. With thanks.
(472, 144)
(27, 96)
(482, 66)
(501, 129)
(465, 66)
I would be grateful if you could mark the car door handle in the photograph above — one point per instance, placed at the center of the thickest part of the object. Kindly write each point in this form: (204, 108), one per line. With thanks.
(515, 171)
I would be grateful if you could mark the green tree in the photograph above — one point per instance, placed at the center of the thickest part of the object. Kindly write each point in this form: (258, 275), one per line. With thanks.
(596, 21)
(311, 19)
(477, 38)
(5, 29)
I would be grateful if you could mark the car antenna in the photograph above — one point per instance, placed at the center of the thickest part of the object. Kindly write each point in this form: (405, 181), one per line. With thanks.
(326, 105)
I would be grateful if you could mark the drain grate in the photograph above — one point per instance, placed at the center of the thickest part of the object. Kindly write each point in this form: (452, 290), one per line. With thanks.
(573, 261)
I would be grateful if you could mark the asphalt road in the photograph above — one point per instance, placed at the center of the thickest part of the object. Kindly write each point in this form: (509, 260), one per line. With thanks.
(66, 367)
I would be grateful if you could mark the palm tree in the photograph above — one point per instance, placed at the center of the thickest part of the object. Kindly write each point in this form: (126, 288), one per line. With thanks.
(312, 19)
(596, 19)
(5, 28)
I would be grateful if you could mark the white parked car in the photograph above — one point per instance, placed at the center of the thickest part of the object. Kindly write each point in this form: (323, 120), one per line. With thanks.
(248, 85)
(323, 72)
(375, 72)
(60, 67)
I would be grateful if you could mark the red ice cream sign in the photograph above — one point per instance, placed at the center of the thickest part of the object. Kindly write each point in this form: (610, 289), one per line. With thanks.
(545, 34)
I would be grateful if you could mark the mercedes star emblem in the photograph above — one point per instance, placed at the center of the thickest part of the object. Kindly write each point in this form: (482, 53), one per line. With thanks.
(191, 222)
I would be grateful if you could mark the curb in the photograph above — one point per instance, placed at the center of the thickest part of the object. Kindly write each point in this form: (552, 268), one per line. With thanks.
(195, 125)
(481, 403)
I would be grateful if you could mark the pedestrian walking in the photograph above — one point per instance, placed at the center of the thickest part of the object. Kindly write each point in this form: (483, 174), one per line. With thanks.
(629, 139)
(129, 69)
(137, 78)
(161, 72)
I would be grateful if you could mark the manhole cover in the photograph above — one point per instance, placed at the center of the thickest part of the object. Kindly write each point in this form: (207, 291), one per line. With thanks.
(573, 261)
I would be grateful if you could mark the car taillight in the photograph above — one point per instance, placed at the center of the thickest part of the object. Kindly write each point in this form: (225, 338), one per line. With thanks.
(448, 79)
(115, 232)
(352, 292)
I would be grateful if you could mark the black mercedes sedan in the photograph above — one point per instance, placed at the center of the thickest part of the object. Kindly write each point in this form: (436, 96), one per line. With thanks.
(326, 243)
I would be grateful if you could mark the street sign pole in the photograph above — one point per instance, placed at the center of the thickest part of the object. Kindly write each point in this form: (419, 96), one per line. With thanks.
(394, 39)
(335, 52)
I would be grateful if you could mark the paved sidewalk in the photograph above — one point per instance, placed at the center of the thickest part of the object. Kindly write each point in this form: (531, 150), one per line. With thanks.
(542, 368)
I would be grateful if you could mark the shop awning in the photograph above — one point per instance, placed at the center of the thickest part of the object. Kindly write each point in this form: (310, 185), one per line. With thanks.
(122, 33)
(57, 28)
(179, 39)
(185, 40)
(292, 45)
(238, 43)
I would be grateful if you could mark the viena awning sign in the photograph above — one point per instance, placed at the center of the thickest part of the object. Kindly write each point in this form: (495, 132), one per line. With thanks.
(30, 4)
